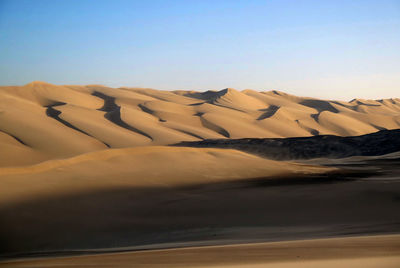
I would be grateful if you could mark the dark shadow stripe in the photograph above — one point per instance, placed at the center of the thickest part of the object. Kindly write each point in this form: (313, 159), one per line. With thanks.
(270, 111)
(113, 114)
(188, 133)
(16, 138)
(214, 127)
(55, 114)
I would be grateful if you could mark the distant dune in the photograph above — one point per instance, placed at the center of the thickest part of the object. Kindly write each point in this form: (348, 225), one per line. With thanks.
(41, 121)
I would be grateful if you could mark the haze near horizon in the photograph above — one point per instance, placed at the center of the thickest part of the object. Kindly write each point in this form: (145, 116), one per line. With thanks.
(330, 49)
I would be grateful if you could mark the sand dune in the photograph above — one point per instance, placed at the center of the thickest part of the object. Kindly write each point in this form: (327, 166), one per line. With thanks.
(86, 167)
(154, 166)
(50, 121)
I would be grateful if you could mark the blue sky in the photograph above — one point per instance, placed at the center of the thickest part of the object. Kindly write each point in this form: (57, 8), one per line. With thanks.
(328, 49)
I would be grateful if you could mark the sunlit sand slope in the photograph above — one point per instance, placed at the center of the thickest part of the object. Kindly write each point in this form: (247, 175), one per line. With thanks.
(42, 121)
(154, 166)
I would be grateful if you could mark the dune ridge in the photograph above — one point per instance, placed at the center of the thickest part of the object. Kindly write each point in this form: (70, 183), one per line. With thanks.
(41, 121)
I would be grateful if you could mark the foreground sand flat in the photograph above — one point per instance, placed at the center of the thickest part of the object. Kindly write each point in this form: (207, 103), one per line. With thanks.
(155, 173)
(41, 121)
(366, 251)
(58, 207)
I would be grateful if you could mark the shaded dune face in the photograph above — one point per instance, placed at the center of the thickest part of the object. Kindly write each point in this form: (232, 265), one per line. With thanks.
(327, 146)
(41, 121)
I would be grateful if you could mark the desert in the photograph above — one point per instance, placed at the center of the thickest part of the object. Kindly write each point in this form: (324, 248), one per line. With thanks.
(200, 134)
(123, 176)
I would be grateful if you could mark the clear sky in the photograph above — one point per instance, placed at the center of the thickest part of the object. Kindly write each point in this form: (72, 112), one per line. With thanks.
(328, 49)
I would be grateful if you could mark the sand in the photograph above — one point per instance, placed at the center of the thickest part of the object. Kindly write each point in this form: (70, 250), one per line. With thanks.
(151, 166)
(367, 251)
(40, 121)
(112, 199)
(88, 169)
